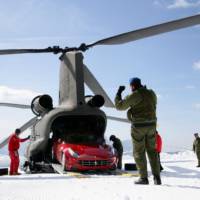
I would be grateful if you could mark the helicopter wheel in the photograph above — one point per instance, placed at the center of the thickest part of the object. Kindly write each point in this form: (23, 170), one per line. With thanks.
(63, 162)
(53, 157)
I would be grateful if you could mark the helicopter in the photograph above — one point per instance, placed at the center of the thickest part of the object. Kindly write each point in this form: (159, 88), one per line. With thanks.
(55, 130)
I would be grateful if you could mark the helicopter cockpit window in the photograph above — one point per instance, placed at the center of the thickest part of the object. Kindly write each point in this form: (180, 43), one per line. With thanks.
(79, 129)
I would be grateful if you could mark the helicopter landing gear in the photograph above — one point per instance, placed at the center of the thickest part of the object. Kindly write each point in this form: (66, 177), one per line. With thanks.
(63, 163)
(31, 167)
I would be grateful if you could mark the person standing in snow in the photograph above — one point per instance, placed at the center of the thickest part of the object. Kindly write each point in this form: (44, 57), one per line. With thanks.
(117, 145)
(13, 146)
(141, 105)
(159, 147)
(196, 147)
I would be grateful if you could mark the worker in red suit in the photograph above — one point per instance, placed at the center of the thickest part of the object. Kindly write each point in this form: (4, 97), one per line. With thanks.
(13, 146)
(159, 147)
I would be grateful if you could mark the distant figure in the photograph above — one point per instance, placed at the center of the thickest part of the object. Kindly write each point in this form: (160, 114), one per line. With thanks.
(159, 147)
(13, 146)
(117, 145)
(196, 147)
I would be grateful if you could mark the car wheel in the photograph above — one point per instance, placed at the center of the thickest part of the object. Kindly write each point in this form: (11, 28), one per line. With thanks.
(63, 162)
(114, 167)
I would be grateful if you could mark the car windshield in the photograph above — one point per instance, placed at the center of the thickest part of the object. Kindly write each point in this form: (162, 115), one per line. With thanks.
(83, 139)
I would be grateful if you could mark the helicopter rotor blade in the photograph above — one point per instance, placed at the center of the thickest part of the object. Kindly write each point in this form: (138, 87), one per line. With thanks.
(13, 105)
(22, 51)
(117, 39)
(54, 49)
(148, 31)
(22, 128)
(95, 86)
(118, 119)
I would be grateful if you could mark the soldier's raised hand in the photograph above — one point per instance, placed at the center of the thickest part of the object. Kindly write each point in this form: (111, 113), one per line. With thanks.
(120, 90)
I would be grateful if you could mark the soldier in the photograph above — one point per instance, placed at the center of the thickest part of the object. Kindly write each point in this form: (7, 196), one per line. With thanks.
(196, 147)
(141, 105)
(117, 145)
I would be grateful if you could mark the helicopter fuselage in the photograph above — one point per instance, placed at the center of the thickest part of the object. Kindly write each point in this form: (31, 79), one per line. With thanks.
(76, 116)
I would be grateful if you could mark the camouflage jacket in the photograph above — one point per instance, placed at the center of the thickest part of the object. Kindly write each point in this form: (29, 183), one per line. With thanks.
(141, 105)
(196, 145)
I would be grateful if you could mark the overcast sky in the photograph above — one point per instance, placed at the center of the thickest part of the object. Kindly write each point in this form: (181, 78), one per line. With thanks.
(168, 63)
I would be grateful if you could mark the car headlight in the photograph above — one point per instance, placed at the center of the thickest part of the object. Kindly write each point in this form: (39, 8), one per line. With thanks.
(72, 153)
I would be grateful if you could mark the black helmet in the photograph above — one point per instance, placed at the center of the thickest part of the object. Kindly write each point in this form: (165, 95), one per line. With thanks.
(135, 81)
(112, 137)
(17, 131)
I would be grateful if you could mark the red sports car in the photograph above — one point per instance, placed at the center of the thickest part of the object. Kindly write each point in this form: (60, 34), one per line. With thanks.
(83, 153)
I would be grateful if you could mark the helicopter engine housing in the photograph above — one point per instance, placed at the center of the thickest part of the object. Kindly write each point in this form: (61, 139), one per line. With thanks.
(41, 104)
(95, 101)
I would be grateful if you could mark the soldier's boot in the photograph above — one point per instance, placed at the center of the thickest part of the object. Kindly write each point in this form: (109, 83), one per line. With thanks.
(157, 180)
(16, 173)
(142, 181)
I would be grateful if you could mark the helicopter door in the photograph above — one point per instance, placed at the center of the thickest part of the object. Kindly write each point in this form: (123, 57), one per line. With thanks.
(79, 129)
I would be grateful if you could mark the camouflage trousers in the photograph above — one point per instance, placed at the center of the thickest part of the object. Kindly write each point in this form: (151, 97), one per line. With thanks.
(144, 141)
(198, 156)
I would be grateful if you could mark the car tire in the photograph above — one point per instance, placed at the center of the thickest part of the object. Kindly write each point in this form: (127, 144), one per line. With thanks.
(63, 162)
(114, 167)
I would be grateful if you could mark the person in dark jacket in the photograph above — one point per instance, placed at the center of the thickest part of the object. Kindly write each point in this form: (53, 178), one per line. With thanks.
(159, 147)
(196, 147)
(13, 146)
(117, 145)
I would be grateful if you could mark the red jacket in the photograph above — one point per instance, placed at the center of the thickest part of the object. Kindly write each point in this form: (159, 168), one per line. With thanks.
(158, 143)
(14, 142)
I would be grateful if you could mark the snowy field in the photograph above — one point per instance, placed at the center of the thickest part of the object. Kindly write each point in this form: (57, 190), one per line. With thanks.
(181, 180)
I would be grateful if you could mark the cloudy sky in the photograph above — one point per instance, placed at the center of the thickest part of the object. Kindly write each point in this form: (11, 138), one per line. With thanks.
(168, 63)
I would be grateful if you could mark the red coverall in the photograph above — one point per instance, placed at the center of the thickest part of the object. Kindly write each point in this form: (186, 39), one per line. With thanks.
(13, 146)
(158, 143)
(159, 148)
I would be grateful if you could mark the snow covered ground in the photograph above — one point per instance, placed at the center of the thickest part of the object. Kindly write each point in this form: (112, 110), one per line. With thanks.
(181, 180)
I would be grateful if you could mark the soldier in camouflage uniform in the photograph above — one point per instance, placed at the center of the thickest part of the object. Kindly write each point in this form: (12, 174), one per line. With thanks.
(117, 145)
(196, 147)
(141, 105)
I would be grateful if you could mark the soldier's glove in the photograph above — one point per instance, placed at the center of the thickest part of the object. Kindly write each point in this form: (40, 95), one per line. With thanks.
(120, 90)
(28, 137)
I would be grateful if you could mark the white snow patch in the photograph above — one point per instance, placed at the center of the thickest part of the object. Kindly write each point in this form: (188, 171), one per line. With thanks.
(181, 179)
